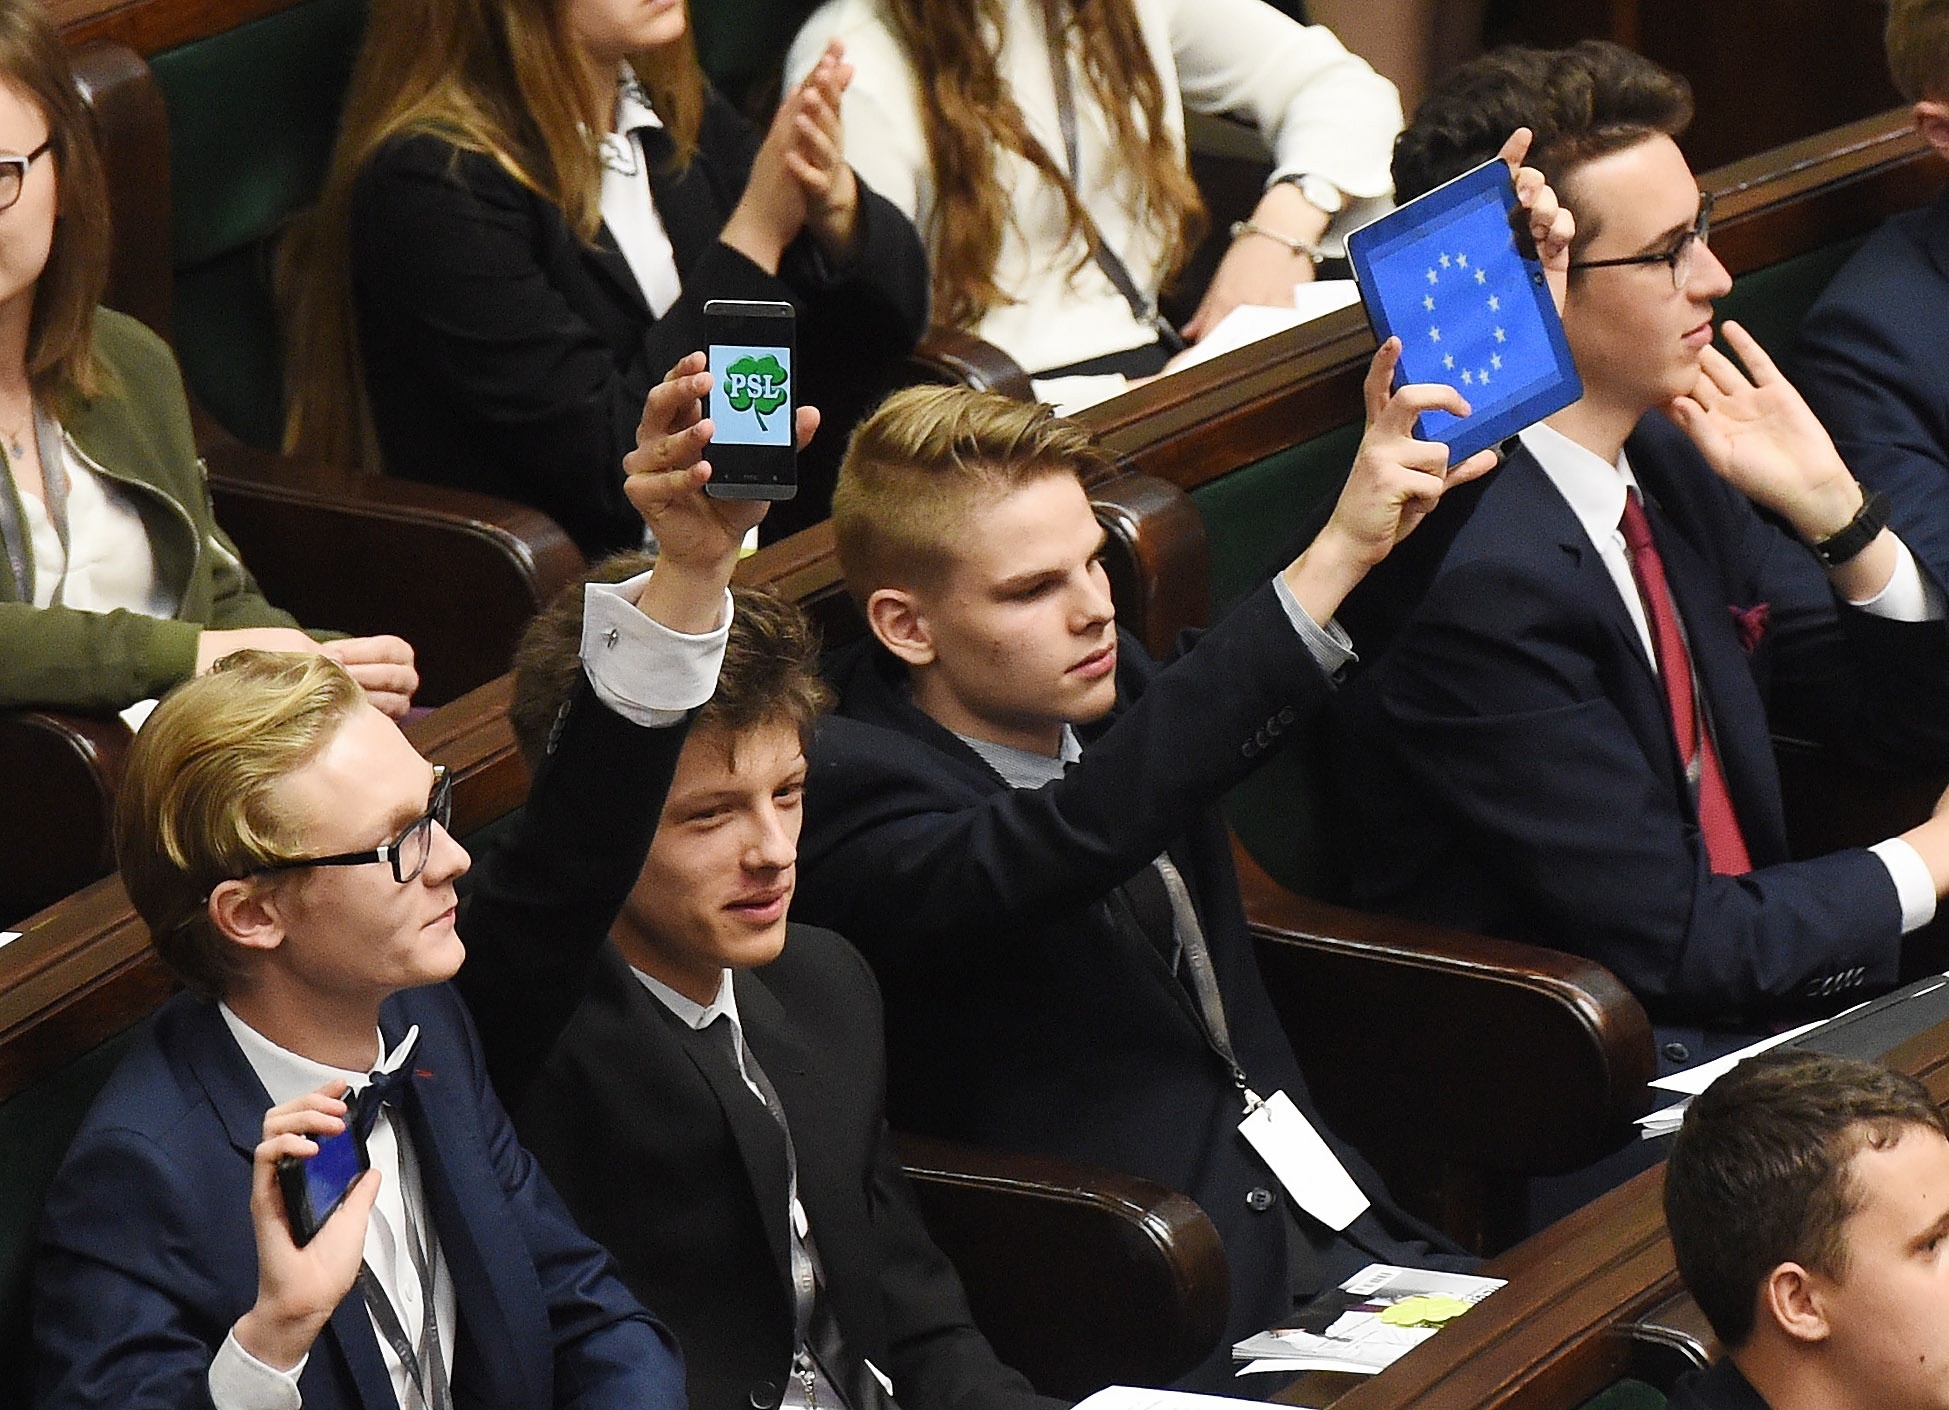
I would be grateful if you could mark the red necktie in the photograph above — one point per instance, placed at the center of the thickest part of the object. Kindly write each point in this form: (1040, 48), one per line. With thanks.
(1725, 845)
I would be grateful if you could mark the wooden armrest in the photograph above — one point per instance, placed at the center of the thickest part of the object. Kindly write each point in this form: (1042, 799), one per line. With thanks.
(1161, 577)
(1486, 1053)
(952, 356)
(56, 833)
(455, 573)
(1079, 1277)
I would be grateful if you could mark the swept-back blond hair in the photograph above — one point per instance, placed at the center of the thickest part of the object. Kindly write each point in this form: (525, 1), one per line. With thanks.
(499, 77)
(196, 804)
(1917, 39)
(917, 466)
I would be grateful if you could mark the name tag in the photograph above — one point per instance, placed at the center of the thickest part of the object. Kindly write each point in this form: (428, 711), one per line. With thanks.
(1304, 1163)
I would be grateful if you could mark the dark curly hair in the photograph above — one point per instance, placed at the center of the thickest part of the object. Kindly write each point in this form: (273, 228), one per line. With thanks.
(1581, 103)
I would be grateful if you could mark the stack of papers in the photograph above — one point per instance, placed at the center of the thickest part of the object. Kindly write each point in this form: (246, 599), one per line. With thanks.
(1694, 1080)
(1368, 1323)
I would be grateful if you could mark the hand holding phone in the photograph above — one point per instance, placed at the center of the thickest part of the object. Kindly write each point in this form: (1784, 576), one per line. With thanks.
(753, 399)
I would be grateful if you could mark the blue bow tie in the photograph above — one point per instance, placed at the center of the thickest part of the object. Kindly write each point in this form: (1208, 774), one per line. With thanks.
(385, 1086)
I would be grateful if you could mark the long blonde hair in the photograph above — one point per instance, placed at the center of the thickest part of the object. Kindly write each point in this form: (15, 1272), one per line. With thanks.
(498, 77)
(968, 114)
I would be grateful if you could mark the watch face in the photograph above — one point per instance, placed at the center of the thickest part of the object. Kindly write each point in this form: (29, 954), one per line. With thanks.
(1321, 194)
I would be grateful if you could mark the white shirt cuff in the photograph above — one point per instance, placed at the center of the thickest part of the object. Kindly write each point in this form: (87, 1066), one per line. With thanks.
(1914, 887)
(1329, 645)
(1909, 595)
(239, 1381)
(641, 669)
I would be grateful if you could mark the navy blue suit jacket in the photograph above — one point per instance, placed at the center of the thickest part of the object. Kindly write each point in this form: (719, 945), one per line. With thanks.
(1873, 362)
(1022, 1010)
(1508, 763)
(147, 1255)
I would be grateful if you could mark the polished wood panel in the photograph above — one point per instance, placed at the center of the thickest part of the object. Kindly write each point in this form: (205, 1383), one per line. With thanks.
(150, 26)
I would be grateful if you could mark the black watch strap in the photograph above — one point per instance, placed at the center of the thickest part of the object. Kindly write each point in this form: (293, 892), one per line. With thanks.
(1861, 530)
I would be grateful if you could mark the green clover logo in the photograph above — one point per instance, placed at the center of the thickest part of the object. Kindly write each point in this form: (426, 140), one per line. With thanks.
(755, 384)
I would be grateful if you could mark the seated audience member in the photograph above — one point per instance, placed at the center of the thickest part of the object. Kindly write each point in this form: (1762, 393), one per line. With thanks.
(1874, 348)
(1807, 1198)
(529, 205)
(1013, 813)
(288, 850)
(712, 1111)
(118, 582)
(1056, 197)
(1567, 740)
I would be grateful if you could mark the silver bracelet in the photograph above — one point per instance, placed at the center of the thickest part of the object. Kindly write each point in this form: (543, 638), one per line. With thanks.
(1298, 247)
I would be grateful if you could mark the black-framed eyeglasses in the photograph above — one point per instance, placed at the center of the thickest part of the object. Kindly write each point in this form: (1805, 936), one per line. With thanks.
(408, 852)
(1680, 257)
(13, 172)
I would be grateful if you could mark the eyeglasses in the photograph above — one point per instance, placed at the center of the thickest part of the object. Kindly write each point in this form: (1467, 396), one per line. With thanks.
(408, 853)
(1681, 257)
(13, 172)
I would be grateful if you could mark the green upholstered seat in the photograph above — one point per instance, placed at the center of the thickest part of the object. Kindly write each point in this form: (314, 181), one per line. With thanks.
(1769, 303)
(741, 45)
(1627, 1394)
(36, 1126)
(1249, 516)
(253, 112)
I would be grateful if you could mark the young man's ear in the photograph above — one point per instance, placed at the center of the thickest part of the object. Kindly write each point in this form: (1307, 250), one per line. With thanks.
(895, 616)
(248, 912)
(1794, 1300)
(1932, 121)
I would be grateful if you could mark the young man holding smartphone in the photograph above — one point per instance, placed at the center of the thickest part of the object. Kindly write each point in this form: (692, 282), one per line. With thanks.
(287, 847)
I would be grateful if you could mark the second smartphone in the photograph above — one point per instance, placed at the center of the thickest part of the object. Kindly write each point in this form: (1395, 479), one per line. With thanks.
(753, 402)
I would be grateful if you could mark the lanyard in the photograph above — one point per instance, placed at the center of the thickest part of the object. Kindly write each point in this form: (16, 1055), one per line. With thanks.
(429, 1376)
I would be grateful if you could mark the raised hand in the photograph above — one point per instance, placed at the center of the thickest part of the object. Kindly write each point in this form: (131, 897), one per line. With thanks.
(816, 156)
(1395, 481)
(1551, 226)
(299, 1288)
(697, 537)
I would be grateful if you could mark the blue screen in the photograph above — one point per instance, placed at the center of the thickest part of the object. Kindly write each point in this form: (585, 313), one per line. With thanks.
(331, 1172)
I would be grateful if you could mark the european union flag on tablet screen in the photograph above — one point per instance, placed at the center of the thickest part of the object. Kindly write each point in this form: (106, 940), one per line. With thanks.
(1444, 274)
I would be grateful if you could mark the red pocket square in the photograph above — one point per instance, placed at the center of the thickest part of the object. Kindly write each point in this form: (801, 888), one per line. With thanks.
(1751, 623)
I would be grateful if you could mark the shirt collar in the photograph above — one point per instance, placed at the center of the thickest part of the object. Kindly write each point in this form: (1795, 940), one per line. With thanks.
(633, 108)
(1024, 768)
(694, 1015)
(1594, 489)
(287, 1075)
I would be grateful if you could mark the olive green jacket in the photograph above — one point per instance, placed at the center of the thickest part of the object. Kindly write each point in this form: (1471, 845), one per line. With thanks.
(136, 433)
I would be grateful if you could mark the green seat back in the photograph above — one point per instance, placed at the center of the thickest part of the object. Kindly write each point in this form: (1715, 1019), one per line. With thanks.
(1769, 303)
(253, 113)
(1627, 1394)
(742, 44)
(1250, 515)
(36, 1125)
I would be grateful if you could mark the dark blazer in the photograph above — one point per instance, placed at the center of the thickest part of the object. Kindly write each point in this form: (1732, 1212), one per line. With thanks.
(1873, 362)
(147, 1253)
(1023, 1011)
(503, 354)
(669, 1160)
(1508, 764)
(1719, 1387)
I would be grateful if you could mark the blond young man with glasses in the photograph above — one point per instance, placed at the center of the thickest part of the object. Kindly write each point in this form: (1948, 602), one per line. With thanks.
(1567, 739)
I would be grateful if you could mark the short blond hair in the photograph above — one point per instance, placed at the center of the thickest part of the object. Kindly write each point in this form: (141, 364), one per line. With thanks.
(1917, 40)
(917, 466)
(196, 804)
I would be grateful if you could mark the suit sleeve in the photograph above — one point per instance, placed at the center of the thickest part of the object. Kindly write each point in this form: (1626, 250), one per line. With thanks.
(1504, 718)
(543, 901)
(902, 857)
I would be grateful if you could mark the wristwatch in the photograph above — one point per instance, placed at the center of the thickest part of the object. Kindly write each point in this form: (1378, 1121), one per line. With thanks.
(1317, 191)
(1866, 525)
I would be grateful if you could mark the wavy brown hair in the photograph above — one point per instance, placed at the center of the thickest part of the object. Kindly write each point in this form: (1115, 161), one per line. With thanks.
(61, 363)
(968, 113)
(498, 77)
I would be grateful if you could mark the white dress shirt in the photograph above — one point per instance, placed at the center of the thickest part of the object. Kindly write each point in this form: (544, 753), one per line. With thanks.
(651, 676)
(1324, 111)
(626, 205)
(1595, 491)
(107, 564)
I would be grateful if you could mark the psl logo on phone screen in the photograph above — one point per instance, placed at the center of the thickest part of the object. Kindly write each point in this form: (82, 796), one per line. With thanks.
(753, 386)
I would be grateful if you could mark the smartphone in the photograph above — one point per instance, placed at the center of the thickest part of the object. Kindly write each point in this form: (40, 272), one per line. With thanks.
(315, 1187)
(754, 402)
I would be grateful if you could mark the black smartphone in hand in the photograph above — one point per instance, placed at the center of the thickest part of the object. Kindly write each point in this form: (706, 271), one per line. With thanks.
(314, 1187)
(753, 403)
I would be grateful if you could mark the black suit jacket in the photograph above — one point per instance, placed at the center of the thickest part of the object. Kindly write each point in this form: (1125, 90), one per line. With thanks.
(1023, 1012)
(670, 1161)
(1509, 766)
(503, 354)
(1719, 1387)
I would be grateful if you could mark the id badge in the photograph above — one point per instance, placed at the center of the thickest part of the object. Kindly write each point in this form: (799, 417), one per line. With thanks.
(1304, 1163)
